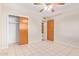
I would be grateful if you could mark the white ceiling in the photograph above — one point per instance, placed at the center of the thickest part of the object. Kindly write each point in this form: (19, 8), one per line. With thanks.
(65, 8)
(68, 7)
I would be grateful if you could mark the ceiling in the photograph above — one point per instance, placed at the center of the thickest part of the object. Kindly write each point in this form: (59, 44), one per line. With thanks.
(65, 8)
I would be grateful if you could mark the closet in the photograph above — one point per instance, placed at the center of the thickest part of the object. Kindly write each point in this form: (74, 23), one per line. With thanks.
(17, 30)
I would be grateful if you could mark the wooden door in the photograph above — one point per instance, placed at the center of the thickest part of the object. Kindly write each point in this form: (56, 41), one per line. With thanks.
(50, 30)
(23, 30)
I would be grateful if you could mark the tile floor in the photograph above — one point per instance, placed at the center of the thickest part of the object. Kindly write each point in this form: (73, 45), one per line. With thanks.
(40, 48)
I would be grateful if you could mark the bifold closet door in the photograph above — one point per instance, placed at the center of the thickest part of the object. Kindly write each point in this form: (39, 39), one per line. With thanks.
(23, 30)
(50, 30)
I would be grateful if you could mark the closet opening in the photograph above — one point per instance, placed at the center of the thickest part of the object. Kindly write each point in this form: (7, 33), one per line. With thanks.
(17, 30)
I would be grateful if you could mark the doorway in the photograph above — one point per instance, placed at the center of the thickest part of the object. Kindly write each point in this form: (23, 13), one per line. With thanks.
(48, 30)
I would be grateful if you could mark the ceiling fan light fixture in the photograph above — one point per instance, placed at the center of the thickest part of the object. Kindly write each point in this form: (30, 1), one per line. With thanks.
(45, 8)
(49, 7)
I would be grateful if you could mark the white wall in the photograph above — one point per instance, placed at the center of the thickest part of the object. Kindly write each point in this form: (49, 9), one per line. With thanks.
(0, 25)
(4, 28)
(17, 10)
(67, 27)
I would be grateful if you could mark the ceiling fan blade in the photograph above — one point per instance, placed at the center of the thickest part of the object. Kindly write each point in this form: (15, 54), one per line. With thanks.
(56, 3)
(61, 3)
(37, 3)
(41, 10)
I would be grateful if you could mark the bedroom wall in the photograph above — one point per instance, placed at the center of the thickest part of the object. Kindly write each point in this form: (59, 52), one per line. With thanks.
(0, 26)
(67, 27)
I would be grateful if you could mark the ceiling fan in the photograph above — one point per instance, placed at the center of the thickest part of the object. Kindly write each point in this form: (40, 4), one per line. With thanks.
(49, 6)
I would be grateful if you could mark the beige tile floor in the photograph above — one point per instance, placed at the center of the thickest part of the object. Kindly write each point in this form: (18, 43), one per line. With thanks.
(40, 48)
